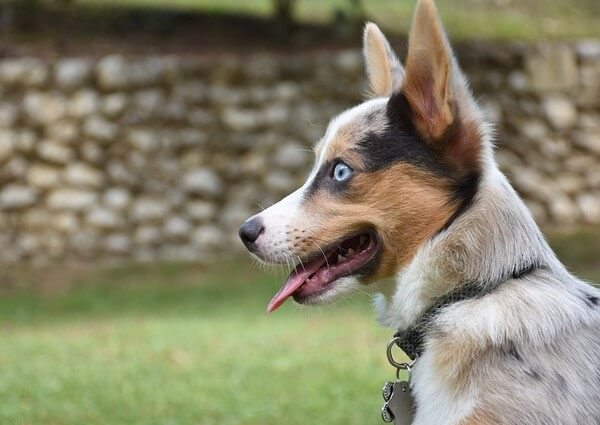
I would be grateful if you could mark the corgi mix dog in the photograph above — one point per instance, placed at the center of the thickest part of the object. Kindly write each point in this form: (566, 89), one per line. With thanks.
(405, 198)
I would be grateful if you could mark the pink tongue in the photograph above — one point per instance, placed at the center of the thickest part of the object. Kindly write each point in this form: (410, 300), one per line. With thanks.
(293, 282)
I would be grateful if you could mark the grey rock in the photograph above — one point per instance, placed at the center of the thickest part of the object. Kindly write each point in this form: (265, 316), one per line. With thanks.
(117, 198)
(121, 174)
(72, 73)
(27, 72)
(560, 112)
(80, 174)
(538, 211)
(143, 140)
(589, 121)
(287, 91)
(592, 178)
(54, 152)
(532, 184)
(590, 80)
(192, 137)
(234, 215)
(240, 119)
(43, 176)
(25, 141)
(190, 91)
(518, 81)
(36, 218)
(177, 228)
(202, 182)
(588, 50)
(118, 244)
(16, 196)
(534, 129)
(589, 205)
(552, 67)
(588, 140)
(563, 210)
(83, 103)
(91, 152)
(149, 102)
(570, 184)
(349, 62)
(292, 155)
(114, 105)
(148, 235)
(207, 237)
(63, 131)
(112, 72)
(8, 114)
(15, 168)
(280, 182)
(7, 145)
(100, 129)
(71, 199)
(201, 211)
(104, 218)
(66, 222)
(149, 209)
(44, 108)
(554, 148)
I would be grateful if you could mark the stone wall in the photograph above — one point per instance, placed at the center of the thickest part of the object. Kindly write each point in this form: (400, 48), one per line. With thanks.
(164, 157)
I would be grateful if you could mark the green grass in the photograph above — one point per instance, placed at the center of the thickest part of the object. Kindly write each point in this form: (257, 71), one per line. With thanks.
(494, 19)
(177, 344)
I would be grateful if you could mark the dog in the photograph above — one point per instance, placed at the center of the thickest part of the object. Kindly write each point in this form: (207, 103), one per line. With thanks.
(405, 199)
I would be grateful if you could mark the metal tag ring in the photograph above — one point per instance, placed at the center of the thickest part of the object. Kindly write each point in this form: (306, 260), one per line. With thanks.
(390, 356)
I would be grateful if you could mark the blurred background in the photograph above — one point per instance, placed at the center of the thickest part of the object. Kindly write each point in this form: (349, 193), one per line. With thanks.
(137, 135)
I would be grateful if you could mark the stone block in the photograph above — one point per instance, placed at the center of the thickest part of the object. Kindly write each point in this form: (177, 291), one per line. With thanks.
(552, 67)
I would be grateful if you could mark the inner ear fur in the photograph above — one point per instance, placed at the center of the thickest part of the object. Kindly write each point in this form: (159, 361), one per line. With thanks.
(384, 69)
(436, 91)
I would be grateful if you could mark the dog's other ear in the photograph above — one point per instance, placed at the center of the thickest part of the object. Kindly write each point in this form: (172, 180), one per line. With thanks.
(383, 66)
(443, 109)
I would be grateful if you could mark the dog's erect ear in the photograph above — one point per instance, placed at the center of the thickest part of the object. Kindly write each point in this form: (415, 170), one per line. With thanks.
(383, 66)
(443, 109)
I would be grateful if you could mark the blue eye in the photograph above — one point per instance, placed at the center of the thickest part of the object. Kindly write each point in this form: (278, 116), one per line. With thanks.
(341, 172)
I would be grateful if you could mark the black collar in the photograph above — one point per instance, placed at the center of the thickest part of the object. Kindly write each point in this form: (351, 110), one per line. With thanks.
(411, 339)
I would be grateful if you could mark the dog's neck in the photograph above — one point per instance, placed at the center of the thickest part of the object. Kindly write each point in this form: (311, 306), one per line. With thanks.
(492, 240)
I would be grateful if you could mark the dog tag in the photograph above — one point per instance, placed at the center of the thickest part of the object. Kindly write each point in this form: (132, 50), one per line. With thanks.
(398, 405)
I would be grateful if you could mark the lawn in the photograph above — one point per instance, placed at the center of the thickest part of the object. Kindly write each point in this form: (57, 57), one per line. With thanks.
(180, 344)
(494, 19)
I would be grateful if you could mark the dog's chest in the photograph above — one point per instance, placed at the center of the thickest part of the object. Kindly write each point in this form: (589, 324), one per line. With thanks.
(438, 402)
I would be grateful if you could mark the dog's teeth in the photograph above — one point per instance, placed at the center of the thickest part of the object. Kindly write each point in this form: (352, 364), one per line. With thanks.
(350, 252)
(341, 258)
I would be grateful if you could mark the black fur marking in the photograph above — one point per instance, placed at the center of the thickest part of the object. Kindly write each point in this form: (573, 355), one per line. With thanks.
(592, 300)
(463, 194)
(400, 142)
(562, 382)
(511, 350)
(533, 374)
(519, 273)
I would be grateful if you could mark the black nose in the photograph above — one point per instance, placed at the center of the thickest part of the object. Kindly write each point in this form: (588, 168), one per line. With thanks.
(250, 231)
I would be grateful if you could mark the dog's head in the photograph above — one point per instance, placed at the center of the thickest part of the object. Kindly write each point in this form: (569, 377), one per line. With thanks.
(389, 174)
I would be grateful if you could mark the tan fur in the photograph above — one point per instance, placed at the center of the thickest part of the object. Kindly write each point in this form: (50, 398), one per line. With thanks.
(428, 67)
(479, 417)
(343, 145)
(405, 217)
(453, 358)
(379, 68)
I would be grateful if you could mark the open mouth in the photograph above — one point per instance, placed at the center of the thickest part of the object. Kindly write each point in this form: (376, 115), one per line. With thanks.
(313, 276)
